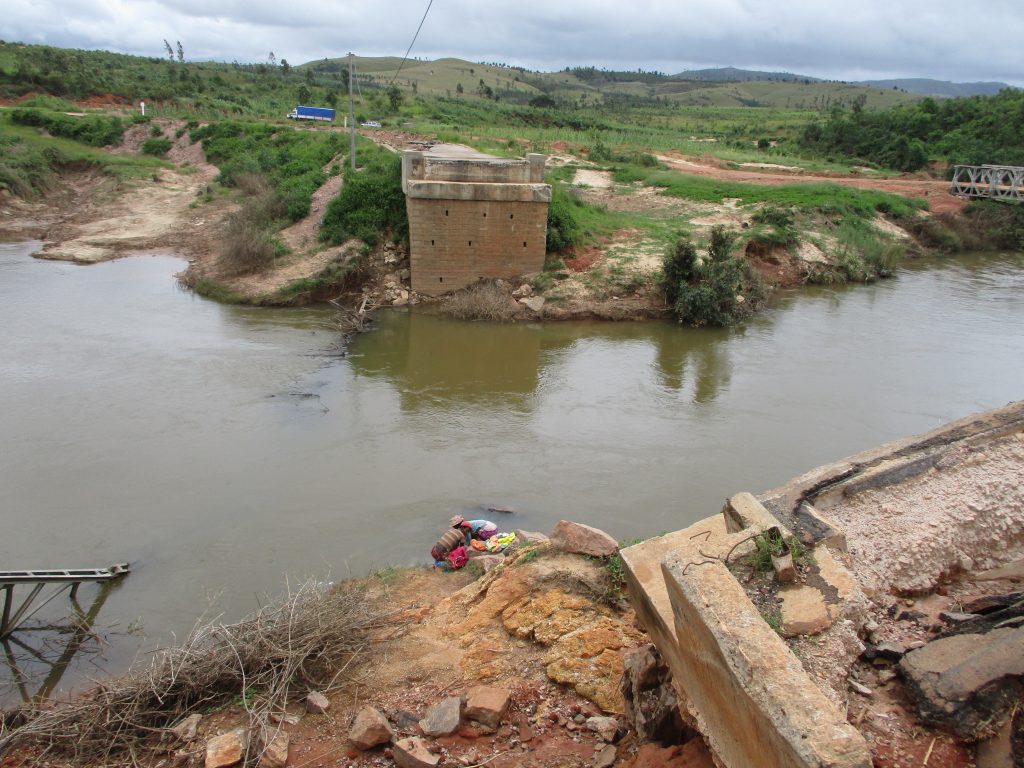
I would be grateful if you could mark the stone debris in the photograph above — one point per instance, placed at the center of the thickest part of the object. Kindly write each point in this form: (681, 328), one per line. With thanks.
(966, 683)
(605, 727)
(413, 753)
(186, 730)
(524, 291)
(535, 304)
(804, 611)
(530, 537)
(487, 705)
(582, 540)
(488, 562)
(369, 729)
(275, 754)
(860, 688)
(317, 703)
(443, 718)
(606, 757)
(227, 749)
(651, 704)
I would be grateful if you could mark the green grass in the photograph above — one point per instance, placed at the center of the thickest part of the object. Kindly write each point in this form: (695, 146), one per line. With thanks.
(29, 160)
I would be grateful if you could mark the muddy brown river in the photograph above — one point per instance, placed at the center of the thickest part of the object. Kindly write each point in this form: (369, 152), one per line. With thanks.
(222, 450)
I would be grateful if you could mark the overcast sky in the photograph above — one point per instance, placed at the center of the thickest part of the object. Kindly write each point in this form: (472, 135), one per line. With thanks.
(960, 40)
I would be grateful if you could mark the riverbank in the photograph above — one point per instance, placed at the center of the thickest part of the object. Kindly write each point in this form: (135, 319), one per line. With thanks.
(180, 209)
(544, 660)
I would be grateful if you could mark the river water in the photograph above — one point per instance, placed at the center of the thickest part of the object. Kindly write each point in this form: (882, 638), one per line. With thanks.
(222, 450)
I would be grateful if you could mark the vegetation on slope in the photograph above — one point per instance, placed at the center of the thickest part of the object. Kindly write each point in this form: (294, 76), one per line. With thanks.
(972, 131)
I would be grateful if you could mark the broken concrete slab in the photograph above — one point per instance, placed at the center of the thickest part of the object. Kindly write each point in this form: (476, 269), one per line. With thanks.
(804, 611)
(965, 684)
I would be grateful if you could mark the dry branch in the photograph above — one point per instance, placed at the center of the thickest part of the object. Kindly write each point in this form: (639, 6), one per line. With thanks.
(310, 639)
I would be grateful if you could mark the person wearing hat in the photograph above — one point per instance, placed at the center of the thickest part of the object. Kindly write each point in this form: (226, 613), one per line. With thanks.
(460, 534)
(474, 529)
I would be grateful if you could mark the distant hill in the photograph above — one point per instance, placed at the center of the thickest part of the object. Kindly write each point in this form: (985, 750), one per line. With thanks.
(732, 74)
(944, 88)
(921, 86)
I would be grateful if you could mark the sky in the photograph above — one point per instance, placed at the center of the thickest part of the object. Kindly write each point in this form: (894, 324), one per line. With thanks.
(959, 40)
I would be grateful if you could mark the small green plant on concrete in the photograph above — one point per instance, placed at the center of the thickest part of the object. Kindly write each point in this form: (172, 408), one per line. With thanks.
(766, 547)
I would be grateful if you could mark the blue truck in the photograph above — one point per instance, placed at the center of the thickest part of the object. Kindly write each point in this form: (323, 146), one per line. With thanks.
(311, 113)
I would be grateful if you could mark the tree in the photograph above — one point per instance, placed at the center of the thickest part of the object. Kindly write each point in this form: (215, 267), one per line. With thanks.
(170, 51)
(181, 53)
(303, 94)
(272, 59)
(394, 97)
(459, 89)
(285, 67)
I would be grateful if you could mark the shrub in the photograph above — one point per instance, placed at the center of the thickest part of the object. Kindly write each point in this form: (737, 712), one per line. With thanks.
(158, 147)
(564, 228)
(715, 289)
(95, 130)
(481, 301)
(371, 203)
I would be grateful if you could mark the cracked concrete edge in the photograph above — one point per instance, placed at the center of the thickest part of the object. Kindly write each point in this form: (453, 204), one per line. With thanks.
(889, 463)
(754, 703)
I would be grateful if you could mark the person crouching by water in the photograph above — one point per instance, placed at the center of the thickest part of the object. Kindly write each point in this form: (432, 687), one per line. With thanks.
(481, 530)
(461, 534)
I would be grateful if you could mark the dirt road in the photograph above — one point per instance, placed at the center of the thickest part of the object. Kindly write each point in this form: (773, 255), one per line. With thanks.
(935, 192)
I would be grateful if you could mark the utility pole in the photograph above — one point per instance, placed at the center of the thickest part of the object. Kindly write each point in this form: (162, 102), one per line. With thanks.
(351, 110)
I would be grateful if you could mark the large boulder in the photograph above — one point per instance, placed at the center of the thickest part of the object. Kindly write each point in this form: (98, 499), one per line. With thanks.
(582, 539)
(275, 753)
(967, 683)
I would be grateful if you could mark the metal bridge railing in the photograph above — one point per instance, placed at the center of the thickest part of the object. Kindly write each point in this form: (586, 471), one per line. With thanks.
(998, 182)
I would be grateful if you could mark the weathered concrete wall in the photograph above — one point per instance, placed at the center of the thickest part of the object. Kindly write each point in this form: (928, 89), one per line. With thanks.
(755, 703)
(473, 217)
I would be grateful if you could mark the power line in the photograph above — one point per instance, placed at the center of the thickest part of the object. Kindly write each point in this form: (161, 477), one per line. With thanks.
(405, 58)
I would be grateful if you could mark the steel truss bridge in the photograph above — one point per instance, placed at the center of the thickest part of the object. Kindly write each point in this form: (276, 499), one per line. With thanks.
(997, 182)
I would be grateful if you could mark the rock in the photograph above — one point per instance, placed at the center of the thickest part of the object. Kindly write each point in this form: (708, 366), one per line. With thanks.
(966, 683)
(369, 729)
(401, 301)
(187, 729)
(487, 562)
(546, 617)
(530, 537)
(316, 703)
(582, 539)
(888, 651)
(1012, 571)
(287, 718)
(989, 603)
(804, 611)
(863, 690)
(954, 617)
(405, 720)
(692, 754)
(275, 754)
(227, 749)
(605, 727)
(590, 660)
(443, 718)
(413, 753)
(524, 291)
(606, 757)
(487, 705)
(535, 304)
(579, 719)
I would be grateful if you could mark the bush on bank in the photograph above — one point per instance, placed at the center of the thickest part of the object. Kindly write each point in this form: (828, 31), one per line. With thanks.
(715, 288)
(371, 203)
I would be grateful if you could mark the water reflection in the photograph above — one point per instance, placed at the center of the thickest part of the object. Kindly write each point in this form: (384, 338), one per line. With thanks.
(435, 363)
(39, 653)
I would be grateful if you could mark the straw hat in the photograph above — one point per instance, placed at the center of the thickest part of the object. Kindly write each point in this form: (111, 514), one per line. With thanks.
(457, 521)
